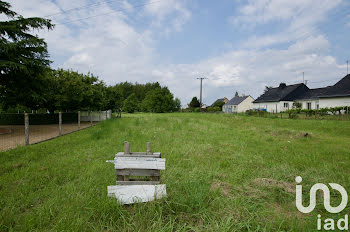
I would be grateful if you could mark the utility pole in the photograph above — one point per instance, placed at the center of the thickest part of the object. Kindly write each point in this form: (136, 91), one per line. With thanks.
(200, 96)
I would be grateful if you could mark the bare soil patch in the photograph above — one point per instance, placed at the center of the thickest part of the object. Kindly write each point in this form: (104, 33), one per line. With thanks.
(37, 133)
(267, 182)
(223, 186)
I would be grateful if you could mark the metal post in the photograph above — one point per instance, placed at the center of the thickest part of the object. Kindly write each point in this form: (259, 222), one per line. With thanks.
(78, 120)
(126, 148)
(26, 128)
(149, 150)
(59, 123)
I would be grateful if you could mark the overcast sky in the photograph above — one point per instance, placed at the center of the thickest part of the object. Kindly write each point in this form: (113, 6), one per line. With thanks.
(238, 45)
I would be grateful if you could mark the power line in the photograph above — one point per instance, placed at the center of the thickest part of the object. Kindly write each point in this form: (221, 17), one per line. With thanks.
(111, 12)
(79, 8)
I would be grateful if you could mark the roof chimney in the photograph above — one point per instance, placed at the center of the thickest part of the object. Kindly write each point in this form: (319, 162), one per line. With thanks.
(282, 86)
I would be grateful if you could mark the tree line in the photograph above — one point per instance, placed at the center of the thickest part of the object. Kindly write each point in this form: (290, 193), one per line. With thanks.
(68, 91)
(27, 81)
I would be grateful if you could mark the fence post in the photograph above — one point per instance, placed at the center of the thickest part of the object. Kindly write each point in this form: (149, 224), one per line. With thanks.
(59, 123)
(26, 128)
(126, 148)
(99, 116)
(149, 150)
(90, 113)
(78, 120)
(106, 114)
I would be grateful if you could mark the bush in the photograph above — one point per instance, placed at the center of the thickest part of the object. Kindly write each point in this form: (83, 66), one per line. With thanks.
(297, 105)
(186, 110)
(219, 104)
(214, 109)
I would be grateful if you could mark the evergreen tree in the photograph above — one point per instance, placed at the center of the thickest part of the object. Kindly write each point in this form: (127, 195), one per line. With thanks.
(23, 58)
(194, 103)
(236, 94)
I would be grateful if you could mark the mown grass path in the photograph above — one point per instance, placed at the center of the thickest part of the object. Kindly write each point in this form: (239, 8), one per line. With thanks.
(224, 173)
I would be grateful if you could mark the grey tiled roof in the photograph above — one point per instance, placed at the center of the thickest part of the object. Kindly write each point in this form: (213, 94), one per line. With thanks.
(313, 93)
(282, 93)
(340, 89)
(219, 100)
(236, 100)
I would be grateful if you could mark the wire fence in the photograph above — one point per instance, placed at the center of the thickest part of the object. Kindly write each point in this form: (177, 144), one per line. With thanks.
(344, 116)
(24, 129)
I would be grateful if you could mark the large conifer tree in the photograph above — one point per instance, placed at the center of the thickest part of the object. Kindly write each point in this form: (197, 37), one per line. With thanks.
(23, 58)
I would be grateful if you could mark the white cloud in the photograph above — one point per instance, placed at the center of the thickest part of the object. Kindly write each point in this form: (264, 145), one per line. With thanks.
(172, 12)
(264, 11)
(114, 50)
(248, 71)
(301, 18)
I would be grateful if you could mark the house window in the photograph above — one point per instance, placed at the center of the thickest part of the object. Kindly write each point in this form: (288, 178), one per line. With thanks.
(317, 106)
(286, 105)
(234, 107)
(308, 105)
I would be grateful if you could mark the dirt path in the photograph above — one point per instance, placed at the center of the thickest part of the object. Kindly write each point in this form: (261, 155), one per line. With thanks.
(37, 133)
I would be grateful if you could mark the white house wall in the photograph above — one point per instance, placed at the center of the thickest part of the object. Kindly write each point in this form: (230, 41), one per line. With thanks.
(245, 105)
(325, 102)
(334, 102)
(313, 102)
(273, 107)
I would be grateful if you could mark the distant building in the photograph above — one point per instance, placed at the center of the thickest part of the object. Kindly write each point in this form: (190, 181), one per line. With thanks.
(238, 104)
(281, 98)
(331, 96)
(225, 100)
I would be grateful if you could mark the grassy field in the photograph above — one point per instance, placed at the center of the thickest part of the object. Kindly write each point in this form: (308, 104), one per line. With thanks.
(224, 173)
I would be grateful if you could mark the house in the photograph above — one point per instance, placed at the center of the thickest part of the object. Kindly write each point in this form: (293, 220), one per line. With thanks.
(204, 106)
(225, 100)
(330, 96)
(279, 99)
(238, 104)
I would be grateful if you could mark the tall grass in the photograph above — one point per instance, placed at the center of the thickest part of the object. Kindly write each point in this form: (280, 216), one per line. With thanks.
(216, 165)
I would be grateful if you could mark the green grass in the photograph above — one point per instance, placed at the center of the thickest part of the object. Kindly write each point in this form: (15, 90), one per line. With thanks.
(214, 166)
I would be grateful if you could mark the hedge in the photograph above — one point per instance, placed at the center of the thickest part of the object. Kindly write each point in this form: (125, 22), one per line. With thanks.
(37, 119)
